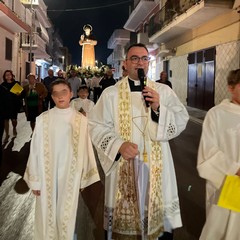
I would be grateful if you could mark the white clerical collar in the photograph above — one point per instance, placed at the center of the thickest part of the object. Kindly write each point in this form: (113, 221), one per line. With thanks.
(136, 82)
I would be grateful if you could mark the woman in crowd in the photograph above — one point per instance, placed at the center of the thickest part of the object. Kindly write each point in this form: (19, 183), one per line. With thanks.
(35, 92)
(12, 101)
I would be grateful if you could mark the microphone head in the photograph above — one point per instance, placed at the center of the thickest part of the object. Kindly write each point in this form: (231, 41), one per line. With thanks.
(141, 76)
(141, 73)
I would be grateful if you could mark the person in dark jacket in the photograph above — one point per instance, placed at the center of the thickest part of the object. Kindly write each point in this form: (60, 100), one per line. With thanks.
(107, 80)
(47, 82)
(12, 101)
(164, 79)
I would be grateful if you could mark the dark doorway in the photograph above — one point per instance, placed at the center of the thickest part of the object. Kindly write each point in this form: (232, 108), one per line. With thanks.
(201, 78)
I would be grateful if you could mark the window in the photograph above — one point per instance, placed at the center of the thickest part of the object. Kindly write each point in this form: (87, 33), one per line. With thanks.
(8, 50)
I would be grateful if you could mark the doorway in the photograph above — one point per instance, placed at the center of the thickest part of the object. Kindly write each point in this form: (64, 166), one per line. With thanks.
(201, 79)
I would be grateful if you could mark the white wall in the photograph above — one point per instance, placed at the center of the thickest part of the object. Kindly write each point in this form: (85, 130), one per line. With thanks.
(227, 59)
(179, 79)
(4, 64)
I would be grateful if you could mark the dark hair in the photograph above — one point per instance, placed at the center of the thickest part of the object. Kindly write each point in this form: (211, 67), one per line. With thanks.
(4, 75)
(83, 87)
(136, 45)
(233, 77)
(59, 81)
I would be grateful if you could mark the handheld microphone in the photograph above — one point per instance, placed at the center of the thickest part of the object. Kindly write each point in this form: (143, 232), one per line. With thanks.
(142, 78)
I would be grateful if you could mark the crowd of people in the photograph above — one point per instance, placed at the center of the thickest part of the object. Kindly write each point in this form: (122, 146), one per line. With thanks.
(129, 125)
(34, 95)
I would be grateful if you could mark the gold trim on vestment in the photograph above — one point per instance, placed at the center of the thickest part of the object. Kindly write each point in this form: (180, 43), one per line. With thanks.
(89, 174)
(69, 186)
(73, 168)
(48, 167)
(126, 217)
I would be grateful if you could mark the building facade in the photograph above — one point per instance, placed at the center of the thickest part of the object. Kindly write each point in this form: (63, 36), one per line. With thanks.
(196, 41)
(15, 19)
(29, 41)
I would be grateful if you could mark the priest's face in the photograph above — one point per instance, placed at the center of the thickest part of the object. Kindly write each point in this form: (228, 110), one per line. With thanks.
(61, 95)
(137, 57)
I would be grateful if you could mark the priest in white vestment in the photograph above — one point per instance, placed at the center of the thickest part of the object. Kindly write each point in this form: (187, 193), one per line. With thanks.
(219, 156)
(141, 199)
(61, 162)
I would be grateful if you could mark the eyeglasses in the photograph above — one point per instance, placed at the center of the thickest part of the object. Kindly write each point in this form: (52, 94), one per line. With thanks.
(136, 59)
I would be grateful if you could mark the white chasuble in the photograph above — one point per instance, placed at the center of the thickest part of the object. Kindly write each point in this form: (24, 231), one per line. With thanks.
(120, 115)
(61, 162)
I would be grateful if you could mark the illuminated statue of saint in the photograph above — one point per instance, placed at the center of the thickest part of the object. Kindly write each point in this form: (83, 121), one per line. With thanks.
(88, 42)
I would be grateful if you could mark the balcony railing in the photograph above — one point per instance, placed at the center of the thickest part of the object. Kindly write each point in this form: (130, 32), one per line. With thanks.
(37, 42)
(165, 15)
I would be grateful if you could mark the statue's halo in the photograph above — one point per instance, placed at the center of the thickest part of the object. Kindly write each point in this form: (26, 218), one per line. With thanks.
(87, 26)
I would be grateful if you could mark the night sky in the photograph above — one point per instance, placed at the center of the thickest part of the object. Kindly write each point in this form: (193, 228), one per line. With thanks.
(104, 15)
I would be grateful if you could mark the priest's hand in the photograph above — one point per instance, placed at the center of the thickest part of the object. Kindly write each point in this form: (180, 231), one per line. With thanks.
(238, 172)
(128, 150)
(152, 97)
(36, 192)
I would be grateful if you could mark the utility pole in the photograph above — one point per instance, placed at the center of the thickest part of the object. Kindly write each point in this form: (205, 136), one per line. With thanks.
(31, 36)
(63, 63)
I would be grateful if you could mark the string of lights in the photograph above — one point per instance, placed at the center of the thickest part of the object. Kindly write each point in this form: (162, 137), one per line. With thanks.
(89, 8)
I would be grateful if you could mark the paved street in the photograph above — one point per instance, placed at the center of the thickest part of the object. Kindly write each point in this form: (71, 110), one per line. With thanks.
(17, 202)
(190, 186)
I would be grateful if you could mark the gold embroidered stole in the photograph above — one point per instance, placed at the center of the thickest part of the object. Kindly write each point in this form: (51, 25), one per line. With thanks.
(49, 184)
(126, 216)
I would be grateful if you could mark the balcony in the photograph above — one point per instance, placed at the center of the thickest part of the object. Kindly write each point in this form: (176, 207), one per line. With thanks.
(110, 59)
(175, 19)
(143, 38)
(29, 2)
(41, 11)
(118, 53)
(119, 37)
(38, 45)
(42, 17)
(14, 16)
(140, 12)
